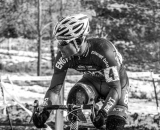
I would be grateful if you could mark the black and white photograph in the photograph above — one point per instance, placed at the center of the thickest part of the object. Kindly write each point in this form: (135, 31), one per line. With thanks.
(79, 64)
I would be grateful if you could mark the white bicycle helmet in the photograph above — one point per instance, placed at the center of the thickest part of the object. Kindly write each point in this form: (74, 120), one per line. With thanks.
(72, 27)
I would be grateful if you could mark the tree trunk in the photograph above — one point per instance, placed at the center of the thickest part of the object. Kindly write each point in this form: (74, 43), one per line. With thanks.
(51, 39)
(39, 39)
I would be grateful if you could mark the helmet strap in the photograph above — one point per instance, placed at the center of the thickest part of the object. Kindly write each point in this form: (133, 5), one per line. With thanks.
(79, 46)
(76, 46)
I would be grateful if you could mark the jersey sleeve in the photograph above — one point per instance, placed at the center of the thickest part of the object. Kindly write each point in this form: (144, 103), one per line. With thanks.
(111, 72)
(111, 64)
(60, 70)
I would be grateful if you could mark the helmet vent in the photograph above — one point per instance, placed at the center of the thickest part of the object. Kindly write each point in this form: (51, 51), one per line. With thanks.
(72, 23)
(67, 35)
(60, 29)
(77, 31)
(77, 26)
(64, 33)
(66, 21)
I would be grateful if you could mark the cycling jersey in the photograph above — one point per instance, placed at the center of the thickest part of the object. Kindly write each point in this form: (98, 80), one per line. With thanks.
(100, 59)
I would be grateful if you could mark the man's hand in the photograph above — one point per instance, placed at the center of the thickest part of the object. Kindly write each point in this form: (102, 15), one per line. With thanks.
(40, 115)
(39, 118)
(99, 119)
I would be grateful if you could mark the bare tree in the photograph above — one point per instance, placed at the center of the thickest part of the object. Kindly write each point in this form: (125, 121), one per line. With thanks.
(39, 39)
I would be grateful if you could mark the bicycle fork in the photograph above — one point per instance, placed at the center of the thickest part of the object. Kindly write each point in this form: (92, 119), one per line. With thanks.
(74, 125)
(73, 119)
(75, 115)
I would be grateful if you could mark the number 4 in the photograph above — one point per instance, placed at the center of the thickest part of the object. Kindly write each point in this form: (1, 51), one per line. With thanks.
(111, 75)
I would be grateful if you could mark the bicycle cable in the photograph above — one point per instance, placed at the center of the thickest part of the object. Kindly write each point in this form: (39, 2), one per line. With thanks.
(71, 112)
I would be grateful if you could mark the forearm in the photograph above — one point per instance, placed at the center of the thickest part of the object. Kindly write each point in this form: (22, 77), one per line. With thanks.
(111, 100)
(52, 95)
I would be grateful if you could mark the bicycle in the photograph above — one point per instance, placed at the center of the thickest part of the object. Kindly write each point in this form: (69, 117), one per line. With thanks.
(72, 108)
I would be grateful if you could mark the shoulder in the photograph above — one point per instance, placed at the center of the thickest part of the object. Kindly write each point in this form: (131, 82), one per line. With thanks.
(98, 41)
(101, 45)
(105, 50)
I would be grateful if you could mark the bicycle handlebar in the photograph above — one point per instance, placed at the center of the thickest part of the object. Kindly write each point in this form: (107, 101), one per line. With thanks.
(64, 107)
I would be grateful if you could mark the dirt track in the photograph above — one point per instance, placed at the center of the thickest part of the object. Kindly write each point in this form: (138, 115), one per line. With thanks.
(143, 112)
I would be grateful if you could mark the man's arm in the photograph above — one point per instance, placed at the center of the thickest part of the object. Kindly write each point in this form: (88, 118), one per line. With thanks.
(111, 73)
(113, 80)
(52, 94)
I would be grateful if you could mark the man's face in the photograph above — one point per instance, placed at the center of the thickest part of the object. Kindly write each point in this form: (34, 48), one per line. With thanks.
(67, 50)
(69, 47)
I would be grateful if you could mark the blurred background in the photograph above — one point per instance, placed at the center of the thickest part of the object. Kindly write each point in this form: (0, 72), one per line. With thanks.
(28, 48)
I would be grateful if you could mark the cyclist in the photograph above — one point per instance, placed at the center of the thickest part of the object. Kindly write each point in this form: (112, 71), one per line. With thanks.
(104, 75)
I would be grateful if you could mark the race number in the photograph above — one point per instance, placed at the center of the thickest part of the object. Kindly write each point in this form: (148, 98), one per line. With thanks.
(111, 74)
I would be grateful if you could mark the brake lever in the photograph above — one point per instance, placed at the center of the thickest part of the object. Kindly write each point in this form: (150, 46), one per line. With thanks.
(95, 107)
(35, 105)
